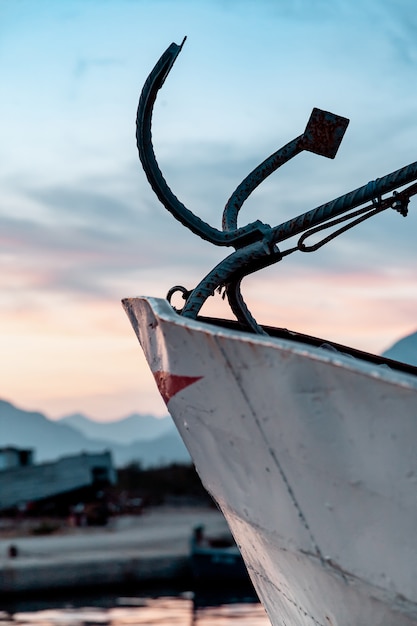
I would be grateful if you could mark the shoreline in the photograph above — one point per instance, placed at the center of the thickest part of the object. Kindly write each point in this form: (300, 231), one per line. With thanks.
(153, 547)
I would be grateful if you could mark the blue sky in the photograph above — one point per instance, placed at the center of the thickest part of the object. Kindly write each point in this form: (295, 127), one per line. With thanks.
(81, 229)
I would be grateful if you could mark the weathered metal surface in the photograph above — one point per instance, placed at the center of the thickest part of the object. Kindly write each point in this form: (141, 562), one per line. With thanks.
(147, 99)
(324, 133)
(310, 454)
(256, 243)
(348, 201)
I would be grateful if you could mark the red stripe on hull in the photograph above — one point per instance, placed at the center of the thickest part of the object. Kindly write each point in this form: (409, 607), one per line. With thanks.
(170, 384)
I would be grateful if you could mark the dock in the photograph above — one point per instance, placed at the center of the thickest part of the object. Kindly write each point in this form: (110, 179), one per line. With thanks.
(150, 548)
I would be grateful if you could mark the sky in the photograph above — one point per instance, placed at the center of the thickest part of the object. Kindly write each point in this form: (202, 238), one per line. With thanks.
(80, 228)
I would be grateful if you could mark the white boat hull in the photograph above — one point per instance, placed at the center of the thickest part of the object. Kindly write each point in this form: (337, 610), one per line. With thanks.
(311, 456)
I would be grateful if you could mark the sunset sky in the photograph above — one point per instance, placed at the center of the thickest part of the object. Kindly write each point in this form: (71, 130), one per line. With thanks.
(80, 228)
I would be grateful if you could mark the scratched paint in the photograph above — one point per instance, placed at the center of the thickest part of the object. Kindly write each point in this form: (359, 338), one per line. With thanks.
(311, 456)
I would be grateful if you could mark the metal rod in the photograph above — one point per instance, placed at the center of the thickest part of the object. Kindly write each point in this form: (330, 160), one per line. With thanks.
(238, 237)
(350, 200)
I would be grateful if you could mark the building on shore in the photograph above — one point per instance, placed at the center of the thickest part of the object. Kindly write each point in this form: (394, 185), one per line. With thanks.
(24, 484)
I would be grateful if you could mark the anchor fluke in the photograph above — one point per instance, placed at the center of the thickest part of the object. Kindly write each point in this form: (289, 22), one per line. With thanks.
(324, 133)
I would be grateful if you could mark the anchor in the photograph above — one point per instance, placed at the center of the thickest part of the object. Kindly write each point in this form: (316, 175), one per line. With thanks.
(256, 244)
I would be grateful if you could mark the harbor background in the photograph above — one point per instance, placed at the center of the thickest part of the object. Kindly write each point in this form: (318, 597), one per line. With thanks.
(134, 570)
(153, 547)
(124, 550)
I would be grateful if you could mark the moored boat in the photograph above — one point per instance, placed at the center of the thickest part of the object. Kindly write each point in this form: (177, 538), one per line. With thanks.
(216, 561)
(307, 447)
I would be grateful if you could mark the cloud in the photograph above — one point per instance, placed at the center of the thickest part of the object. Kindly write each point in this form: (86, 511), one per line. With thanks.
(87, 236)
(83, 241)
(79, 225)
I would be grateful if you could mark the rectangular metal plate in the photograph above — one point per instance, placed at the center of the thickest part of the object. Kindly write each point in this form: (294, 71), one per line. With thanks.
(324, 132)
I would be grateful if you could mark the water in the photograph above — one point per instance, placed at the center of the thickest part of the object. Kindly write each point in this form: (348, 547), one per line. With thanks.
(183, 609)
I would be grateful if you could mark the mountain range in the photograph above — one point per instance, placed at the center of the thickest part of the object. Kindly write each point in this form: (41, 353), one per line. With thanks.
(142, 439)
(123, 431)
(404, 350)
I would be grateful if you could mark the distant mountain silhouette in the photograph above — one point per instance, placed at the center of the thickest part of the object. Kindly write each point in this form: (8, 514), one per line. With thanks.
(144, 439)
(404, 350)
(51, 440)
(124, 431)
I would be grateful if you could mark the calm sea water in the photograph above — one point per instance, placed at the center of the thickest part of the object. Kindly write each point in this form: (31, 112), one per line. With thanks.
(184, 609)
